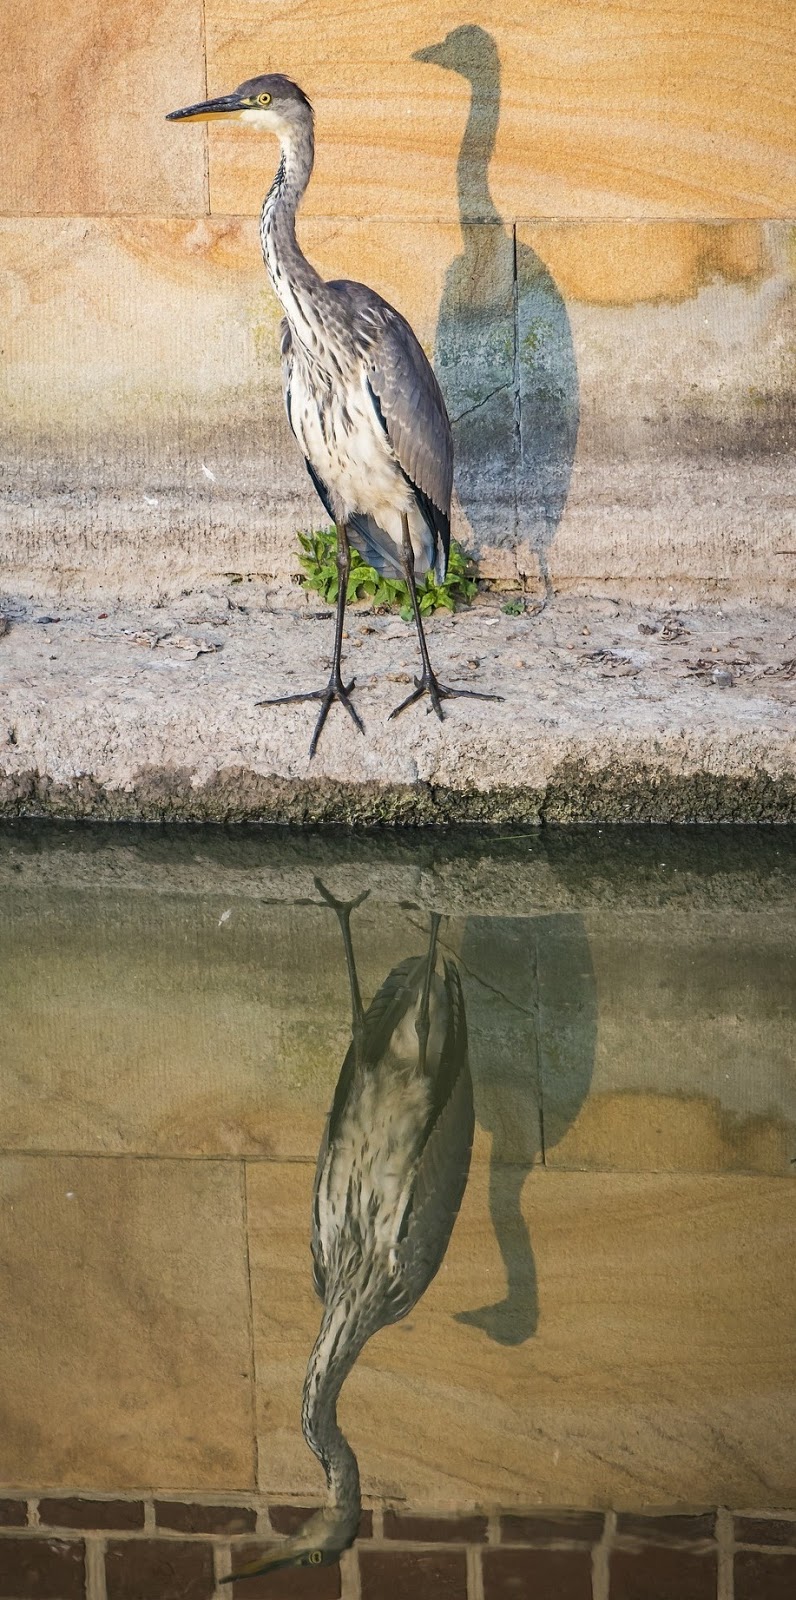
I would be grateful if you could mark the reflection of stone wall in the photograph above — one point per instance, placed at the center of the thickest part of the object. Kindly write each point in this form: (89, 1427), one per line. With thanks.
(145, 445)
(175, 1014)
(607, 1038)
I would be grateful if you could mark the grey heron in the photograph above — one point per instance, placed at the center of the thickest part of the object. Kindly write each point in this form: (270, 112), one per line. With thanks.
(391, 1173)
(361, 397)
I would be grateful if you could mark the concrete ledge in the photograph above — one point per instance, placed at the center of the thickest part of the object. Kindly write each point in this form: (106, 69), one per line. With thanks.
(610, 712)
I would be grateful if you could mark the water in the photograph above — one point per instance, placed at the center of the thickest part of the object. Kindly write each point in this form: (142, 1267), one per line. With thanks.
(612, 1323)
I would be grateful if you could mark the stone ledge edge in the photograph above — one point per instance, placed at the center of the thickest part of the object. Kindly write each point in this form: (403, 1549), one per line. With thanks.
(574, 793)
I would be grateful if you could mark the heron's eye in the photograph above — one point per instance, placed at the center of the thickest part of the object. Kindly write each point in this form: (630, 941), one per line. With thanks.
(263, 99)
(315, 1557)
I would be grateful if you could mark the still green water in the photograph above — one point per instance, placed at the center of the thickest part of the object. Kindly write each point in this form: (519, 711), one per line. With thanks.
(606, 972)
(610, 1323)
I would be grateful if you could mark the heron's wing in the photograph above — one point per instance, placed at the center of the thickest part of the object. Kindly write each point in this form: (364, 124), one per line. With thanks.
(445, 1161)
(407, 400)
(341, 1094)
(286, 350)
(398, 991)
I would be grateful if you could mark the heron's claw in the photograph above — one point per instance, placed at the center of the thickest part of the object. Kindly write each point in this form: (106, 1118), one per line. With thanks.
(436, 691)
(345, 906)
(335, 690)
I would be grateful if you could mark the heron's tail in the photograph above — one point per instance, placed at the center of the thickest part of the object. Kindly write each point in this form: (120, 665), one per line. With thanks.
(374, 546)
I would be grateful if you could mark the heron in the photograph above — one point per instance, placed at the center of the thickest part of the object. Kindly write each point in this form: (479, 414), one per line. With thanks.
(360, 394)
(391, 1172)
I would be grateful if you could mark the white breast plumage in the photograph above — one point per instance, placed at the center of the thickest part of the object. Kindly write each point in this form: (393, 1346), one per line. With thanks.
(337, 428)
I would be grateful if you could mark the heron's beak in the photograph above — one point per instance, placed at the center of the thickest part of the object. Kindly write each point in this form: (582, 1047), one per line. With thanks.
(433, 53)
(228, 105)
(282, 1555)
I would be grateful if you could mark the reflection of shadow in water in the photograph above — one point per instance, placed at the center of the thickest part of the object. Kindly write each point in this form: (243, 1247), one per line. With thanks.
(503, 351)
(532, 1063)
(391, 1173)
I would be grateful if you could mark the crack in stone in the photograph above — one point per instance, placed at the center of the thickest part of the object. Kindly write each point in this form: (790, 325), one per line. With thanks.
(502, 388)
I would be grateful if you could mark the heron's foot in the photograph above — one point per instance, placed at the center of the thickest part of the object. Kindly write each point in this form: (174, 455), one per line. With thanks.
(429, 684)
(345, 906)
(335, 690)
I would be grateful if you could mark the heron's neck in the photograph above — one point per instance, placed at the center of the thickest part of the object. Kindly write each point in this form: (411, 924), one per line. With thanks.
(336, 1348)
(472, 171)
(296, 284)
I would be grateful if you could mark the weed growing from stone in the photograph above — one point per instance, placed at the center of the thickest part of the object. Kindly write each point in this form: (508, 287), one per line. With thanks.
(319, 560)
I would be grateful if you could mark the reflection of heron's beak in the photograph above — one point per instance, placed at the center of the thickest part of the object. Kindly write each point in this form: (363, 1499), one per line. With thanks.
(228, 105)
(282, 1555)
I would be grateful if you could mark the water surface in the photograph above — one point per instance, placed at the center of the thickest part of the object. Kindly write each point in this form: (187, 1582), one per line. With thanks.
(612, 1322)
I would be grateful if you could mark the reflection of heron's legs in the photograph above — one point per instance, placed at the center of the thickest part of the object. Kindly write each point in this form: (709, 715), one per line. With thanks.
(422, 1024)
(428, 683)
(342, 910)
(335, 688)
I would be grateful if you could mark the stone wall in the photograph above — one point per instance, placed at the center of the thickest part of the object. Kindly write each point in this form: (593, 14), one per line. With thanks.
(582, 207)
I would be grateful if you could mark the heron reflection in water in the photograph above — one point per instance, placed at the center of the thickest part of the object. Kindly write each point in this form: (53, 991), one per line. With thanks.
(391, 1173)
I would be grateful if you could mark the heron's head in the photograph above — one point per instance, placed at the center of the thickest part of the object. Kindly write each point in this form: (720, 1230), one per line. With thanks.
(320, 1542)
(272, 103)
(469, 50)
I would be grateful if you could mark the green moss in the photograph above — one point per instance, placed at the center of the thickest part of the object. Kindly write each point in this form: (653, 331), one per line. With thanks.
(536, 337)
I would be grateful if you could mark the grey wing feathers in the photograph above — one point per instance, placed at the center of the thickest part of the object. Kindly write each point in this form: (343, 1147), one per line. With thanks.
(406, 393)
(398, 990)
(445, 1163)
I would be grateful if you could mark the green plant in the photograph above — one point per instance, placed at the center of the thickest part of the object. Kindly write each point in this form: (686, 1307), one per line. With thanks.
(319, 560)
(514, 607)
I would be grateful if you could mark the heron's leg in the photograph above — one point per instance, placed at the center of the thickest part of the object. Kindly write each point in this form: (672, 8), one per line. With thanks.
(342, 910)
(428, 682)
(422, 1023)
(335, 688)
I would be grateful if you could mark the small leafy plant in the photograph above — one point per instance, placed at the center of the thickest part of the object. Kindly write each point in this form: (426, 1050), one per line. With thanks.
(319, 560)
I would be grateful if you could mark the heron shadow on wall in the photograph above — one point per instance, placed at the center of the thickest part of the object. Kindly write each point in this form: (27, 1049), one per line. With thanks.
(503, 351)
(531, 995)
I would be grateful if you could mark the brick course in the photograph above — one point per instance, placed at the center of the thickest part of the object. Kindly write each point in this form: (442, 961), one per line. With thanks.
(546, 1526)
(172, 1569)
(434, 1530)
(660, 1573)
(671, 1527)
(413, 1575)
(548, 1554)
(765, 1577)
(765, 1530)
(42, 1569)
(80, 1513)
(13, 1513)
(186, 1517)
(545, 1574)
